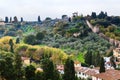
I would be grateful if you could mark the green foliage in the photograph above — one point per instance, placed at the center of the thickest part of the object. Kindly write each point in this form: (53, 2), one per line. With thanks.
(80, 57)
(49, 71)
(19, 73)
(11, 45)
(39, 76)
(30, 72)
(39, 36)
(30, 39)
(6, 66)
(88, 58)
(69, 70)
(73, 30)
(17, 41)
(102, 65)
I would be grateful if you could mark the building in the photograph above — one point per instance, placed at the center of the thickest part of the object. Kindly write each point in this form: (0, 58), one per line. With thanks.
(60, 69)
(65, 18)
(85, 72)
(25, 60)
(77, 64)
(2, 22)
(75, 14)
(108, 75)
(108, 64)
(96, 29)
(116, 52)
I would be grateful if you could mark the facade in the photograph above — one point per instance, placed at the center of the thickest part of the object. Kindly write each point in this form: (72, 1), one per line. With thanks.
(60, 69)
(25, 60)
(2, 22)
(116, 52)
(86, 73)
(108, 64)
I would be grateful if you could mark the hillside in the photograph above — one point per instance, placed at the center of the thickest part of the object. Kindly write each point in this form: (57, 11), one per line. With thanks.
(72, 36)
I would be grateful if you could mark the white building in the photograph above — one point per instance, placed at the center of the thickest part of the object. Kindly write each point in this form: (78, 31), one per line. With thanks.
(108, 63)
(85, 73)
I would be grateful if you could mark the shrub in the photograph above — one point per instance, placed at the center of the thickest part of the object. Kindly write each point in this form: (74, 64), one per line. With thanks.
(30, 39)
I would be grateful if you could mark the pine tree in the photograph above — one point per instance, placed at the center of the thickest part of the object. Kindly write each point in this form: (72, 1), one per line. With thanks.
(69, 70)
(15, 19)
(19, 73)
(11, 45)
(48, 69)
(102, 65)
(21, 19)
(88, 58)
(17, 40)
(97, 58)
(10, 19)
(93, 15)
(39, 19)
(30, 72)
(6, 66)
(6, 20)
(39, 76)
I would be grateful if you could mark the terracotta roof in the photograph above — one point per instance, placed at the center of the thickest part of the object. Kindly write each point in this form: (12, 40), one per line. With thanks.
(76, 62)
(60, 67)
(87, 71)
(109, 75)
(25, 58)
(39, 69)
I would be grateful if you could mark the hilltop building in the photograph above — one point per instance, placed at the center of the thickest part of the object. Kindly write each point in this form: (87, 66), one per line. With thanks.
(2, 22)
(116, 52)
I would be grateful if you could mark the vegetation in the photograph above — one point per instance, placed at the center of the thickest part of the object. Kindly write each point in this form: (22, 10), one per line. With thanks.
(51, 41)
(102, 65)
(69, 70)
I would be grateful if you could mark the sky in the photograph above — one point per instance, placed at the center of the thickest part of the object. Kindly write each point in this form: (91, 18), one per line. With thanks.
(31, 9)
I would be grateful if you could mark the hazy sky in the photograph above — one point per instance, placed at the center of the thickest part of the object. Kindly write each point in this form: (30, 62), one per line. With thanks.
(30, 9)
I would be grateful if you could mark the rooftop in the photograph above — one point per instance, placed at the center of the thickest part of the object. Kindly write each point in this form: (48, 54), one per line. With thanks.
(87, 71)
(109, 75)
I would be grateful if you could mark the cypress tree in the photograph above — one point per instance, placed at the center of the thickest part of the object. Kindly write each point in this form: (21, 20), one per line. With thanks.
(69, 70)
(15, 19)
(21, 19)
(48, 69)
(10, 19)
(98, 57)
(30, 72)
(39, 19)
(102, 65)
(11, 45)
(88, 58)
(6, 20)
(17, 41)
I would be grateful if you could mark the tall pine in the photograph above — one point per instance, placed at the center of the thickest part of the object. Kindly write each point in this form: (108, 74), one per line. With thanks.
(88, 58)
(11, 45)
(49, 71)
(69, 70)
(102, 65)
(39, 20)
(30, 72)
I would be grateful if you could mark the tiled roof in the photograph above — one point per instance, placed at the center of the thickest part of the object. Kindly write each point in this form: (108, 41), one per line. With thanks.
(60, 67)
(87, 71)
(25, 58)
(109, 75)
